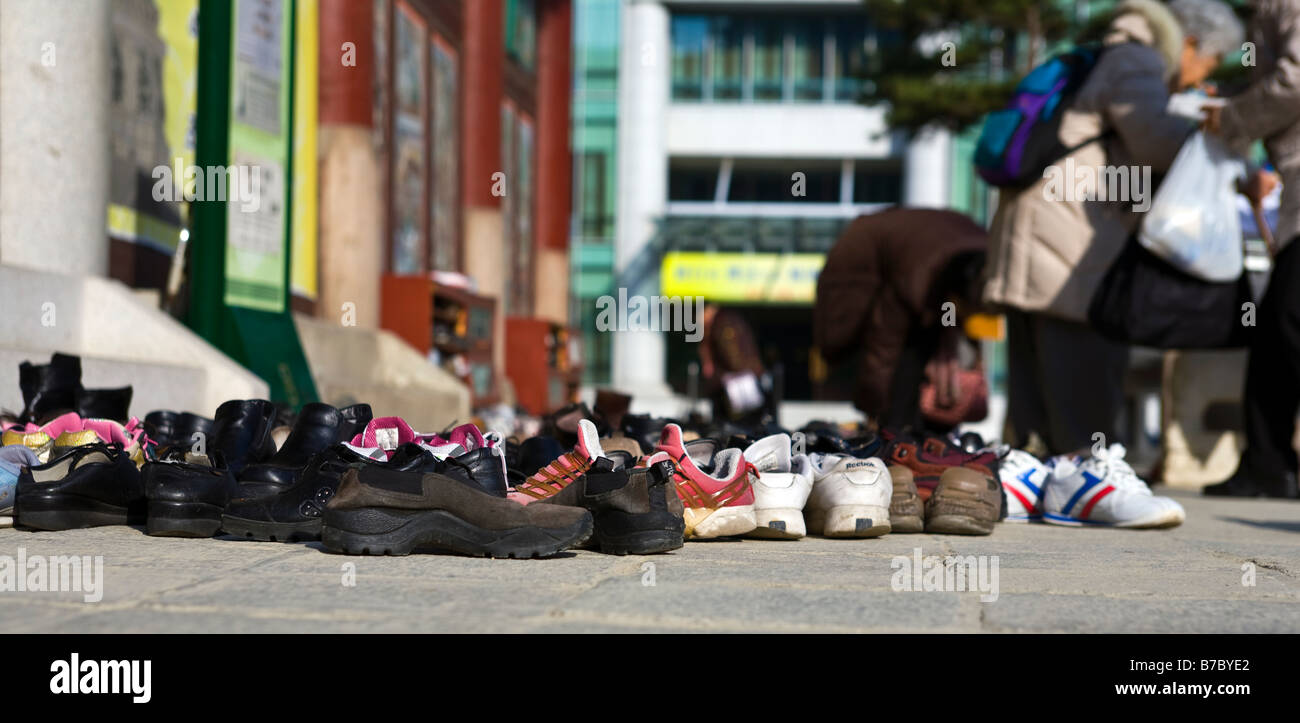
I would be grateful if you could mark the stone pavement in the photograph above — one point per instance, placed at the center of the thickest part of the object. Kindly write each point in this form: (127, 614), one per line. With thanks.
(1189, 579)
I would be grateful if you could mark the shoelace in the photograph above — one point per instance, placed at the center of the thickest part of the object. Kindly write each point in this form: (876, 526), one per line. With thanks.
(1117, 472)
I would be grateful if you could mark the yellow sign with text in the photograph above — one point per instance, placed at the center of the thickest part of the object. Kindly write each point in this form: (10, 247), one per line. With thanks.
(742, 278)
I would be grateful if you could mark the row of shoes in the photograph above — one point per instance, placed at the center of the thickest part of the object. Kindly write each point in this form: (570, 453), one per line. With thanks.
(366, 485)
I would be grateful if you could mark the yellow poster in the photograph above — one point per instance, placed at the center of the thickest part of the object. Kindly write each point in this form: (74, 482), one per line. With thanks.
(302, 255)
(742, 278)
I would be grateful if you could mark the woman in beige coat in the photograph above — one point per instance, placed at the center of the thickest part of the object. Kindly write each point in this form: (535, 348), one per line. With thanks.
(1051, 243)
(1270, 110)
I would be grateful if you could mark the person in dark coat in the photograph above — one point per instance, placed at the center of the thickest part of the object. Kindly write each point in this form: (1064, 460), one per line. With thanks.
(729, 348)
(882, 295)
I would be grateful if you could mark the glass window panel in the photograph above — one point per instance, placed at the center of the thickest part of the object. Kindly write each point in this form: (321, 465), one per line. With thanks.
(853, 46)
(689, 33)
(769, 58)
(522, 291)
(809, 60)
(446, 161)
(409, 172)
(877, 183)
(521, 31)
(770, 182)
(728, 57)
(692, 180)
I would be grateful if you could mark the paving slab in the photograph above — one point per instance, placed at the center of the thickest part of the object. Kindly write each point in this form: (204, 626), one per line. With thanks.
(1233, 567)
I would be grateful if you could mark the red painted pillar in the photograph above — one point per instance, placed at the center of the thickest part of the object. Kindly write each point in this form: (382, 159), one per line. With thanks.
(554, 101)
(484, 82)
(346, 35)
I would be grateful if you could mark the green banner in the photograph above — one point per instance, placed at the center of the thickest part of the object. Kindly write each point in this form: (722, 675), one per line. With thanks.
(256, 177)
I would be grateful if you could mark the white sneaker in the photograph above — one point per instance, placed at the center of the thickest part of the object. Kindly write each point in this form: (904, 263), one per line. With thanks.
(1023, 476)
(784, 483)
(1103, 490)
(850, 496)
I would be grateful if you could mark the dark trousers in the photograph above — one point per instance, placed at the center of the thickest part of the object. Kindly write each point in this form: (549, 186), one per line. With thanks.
(904, 408)
(1065, 382)
(1272, 395)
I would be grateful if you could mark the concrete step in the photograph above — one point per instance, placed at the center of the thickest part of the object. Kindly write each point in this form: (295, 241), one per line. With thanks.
(121, 338)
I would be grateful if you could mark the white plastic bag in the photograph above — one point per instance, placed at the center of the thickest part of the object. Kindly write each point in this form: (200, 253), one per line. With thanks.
(1193, 221)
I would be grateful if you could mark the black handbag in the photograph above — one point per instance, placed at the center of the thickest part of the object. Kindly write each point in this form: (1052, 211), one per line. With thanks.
(1145, 301)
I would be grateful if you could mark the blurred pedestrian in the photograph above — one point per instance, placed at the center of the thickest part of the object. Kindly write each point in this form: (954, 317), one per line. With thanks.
(1270, 110)
(731, 367)
(881, 295)
(1048, 254)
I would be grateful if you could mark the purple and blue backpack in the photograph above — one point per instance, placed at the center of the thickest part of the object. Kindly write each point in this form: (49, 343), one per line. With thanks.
(1021, 140)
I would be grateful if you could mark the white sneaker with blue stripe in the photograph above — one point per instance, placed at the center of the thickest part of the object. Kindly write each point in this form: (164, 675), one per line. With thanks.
(1103, 490)
(1023, 476)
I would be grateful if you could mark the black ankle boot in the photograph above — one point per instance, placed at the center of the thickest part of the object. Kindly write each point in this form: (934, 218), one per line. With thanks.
(114, 404)
(318, 427)
(49, 389)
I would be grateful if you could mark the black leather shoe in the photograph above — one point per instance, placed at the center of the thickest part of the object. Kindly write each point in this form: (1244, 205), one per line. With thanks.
(186, 499)
(318, 427)
(90, 486)
(188, 492)
(483, 469)
(169, 429)
(241, 433)
(160, 425)
(1241, 484)
(114, 404)
(49, 389)
(295, 513)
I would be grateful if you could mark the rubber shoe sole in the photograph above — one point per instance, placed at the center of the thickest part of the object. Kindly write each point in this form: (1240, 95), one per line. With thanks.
(263, 531)
(645, 542)
(958, 525)
(182, 519)
(379, 531)
(1163, 519)
(704, 523)
(851, 521)
(69, 512)
(779, 524)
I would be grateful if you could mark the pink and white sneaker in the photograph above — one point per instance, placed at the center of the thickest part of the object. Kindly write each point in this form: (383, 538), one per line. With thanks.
(564, 471)
(718, 503)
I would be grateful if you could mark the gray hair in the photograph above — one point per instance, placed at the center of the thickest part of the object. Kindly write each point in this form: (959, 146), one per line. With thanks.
(1215, 26)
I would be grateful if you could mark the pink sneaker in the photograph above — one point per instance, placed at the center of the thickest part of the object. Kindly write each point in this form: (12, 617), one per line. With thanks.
(718, 503)
(561, 473)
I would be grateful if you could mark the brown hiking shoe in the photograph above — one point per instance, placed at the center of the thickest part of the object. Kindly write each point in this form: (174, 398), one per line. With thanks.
(379, 511)
(636, 511)
(965, 502)
(906, 511)
(930, 457)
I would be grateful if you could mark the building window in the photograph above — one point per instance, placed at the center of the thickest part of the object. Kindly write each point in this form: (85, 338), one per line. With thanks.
(777, 181)
(379, 96)
(854, 51)
(521, 31)
(877, 182)
(517, 208)
(596, 220)
(445, 214)
(769, 59)
(728, 51)
(692, 180)
(409, 167)
(809, 51)
(690, 39)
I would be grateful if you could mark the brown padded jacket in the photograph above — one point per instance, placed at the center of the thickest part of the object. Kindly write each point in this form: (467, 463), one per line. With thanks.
(878, 282)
